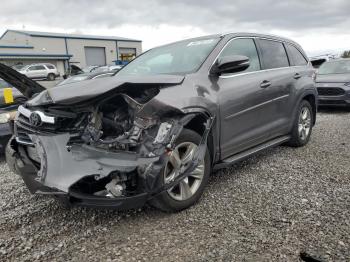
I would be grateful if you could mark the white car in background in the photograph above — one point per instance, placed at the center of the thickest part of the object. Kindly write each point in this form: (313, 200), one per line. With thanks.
(107, 68)
(40, 71)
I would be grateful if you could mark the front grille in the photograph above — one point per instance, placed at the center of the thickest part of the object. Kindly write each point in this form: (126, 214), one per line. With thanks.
(330, 91)
(60, 124)
(23, 123)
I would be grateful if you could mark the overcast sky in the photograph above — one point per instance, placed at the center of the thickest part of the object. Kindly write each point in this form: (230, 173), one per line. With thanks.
(320, 26)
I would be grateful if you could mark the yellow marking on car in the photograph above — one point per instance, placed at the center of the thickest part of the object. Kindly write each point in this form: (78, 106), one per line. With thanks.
(8, 95)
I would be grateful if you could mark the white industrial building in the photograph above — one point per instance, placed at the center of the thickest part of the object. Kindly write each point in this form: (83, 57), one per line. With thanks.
(27, 47)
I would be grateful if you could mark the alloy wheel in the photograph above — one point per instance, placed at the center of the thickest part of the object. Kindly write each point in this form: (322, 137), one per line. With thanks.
(304, 124)
(179, 160)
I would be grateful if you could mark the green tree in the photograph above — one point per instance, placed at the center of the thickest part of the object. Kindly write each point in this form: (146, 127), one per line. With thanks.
(346, 54)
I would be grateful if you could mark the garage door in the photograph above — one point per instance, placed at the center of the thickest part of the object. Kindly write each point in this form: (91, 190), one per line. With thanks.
(127, 54)
(95, 56)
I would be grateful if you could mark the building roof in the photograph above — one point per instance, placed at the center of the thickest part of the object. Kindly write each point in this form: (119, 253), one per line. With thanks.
(70, 36)
(35, 56)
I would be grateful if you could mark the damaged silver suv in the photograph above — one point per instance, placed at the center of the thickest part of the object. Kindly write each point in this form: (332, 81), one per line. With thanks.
(154, 131)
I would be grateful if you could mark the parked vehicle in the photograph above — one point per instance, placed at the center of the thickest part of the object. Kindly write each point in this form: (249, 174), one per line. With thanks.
(107, 68)
(17, 67)
(154, 131)
(91, 72)
(6, 111)
(40, 71)
(86, 76)
(90, 69)
(17, 96)
(72, 71)
(333, 83)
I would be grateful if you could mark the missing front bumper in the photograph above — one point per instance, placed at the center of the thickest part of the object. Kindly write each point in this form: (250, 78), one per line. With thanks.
(62, 166)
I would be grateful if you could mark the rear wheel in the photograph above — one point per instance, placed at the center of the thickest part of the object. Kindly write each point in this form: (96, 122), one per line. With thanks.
(302, 126)
(51, 77)
(190, 189)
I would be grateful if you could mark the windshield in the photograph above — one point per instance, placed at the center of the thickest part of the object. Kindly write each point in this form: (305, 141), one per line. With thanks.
(17, 67)
(25, 67)
(178, 58)
(4, 84)
(335, 67)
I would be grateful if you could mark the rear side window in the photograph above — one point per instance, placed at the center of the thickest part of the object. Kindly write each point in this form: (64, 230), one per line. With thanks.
(50, 67)
(34, 68)
(273, 54)
(295, 56)
(246, 47)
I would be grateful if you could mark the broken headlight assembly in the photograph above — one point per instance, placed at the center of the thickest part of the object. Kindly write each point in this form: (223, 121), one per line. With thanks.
(6, 117)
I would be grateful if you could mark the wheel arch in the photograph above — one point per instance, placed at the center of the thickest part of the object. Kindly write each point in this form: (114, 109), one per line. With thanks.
(197, 124)
(311, 98)
(309, 95)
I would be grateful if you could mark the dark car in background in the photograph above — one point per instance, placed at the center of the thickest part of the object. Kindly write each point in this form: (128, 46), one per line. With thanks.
(153, 132)
(6, 110)
(333, 83)
(90, 70)
(86, 76)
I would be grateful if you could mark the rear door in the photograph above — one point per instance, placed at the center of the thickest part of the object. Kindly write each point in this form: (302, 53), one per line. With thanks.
(245, 107)
(280, 85)
(301, 69)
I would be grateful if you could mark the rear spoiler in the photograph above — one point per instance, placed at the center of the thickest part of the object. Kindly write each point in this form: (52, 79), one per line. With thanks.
(25, 85)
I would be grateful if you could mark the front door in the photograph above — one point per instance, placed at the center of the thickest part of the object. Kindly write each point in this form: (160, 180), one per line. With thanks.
(244, 99)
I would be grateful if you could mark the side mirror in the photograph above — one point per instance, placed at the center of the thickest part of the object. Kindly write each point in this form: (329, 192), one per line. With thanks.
(230, 64)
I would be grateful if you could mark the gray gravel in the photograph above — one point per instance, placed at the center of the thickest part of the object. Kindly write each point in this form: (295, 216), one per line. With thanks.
(271, 207)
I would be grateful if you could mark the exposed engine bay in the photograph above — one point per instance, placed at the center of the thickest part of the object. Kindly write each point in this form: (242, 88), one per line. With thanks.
(112, 146)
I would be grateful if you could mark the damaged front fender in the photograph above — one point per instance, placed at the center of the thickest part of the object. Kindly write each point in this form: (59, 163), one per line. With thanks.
(112, 150)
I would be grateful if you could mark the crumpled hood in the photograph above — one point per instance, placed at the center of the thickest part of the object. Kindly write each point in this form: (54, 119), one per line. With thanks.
(333, 78)
(84, 90)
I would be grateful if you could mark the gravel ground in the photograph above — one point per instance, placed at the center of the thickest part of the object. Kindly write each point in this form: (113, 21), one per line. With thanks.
(271, 207)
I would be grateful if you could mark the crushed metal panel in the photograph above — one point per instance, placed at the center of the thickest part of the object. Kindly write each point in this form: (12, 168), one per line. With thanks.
(61, 167)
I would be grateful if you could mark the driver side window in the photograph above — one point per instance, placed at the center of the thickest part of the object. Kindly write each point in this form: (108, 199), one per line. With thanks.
(245, 47)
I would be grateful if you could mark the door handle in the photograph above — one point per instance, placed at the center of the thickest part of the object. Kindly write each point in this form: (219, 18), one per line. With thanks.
(265, 84)
(297, 76)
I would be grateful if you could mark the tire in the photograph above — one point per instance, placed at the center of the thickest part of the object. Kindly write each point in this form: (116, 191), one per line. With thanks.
(167, 201)
(297, 138)
(51, 77)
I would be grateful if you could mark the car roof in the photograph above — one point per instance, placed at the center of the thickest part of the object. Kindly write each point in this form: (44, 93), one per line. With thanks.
(241, 34)
(41, 64)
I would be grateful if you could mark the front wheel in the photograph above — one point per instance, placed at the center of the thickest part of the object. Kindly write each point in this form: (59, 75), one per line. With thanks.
(302, 126)
(190, 189)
